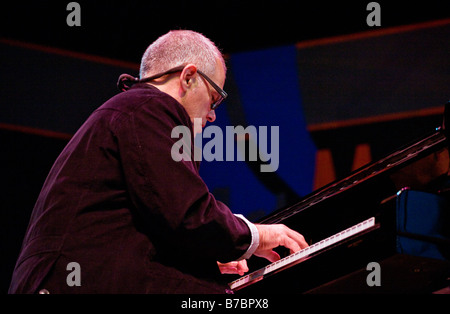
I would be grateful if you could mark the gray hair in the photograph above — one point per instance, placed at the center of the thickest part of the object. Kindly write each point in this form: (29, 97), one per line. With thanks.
(179, 47)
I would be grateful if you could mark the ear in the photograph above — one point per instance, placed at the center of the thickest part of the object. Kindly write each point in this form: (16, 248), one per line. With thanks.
(187, 75)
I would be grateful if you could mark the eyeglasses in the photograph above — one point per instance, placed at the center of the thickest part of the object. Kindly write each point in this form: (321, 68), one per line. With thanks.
(125, 79)
(222, 93)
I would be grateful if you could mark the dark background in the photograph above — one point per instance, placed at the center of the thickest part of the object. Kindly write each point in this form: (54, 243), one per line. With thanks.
(123, 29)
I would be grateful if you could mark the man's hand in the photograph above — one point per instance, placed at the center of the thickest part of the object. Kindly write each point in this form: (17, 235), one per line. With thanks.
(239, 267)
(272, 236)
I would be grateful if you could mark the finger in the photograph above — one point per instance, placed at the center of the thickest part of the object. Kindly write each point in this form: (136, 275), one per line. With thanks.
(297, 237)
(228, 268)
(270, 255)
(291, 244)
(242, 267)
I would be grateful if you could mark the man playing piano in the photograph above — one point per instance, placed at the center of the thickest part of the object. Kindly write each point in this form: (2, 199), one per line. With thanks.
(117, 214)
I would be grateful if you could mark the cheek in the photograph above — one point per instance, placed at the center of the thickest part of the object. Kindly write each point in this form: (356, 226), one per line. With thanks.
(205, 104)
(201, 102)
(203, 97)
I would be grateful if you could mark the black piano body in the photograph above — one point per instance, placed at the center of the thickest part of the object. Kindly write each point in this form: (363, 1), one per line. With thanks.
(408, 249)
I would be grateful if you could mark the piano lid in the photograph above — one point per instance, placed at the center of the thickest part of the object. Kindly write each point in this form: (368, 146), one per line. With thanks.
(430, 153)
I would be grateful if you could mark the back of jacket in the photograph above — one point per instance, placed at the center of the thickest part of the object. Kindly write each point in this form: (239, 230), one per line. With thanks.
(117, 205)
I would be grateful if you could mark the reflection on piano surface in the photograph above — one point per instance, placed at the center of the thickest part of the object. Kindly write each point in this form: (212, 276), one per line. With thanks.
(399, 211)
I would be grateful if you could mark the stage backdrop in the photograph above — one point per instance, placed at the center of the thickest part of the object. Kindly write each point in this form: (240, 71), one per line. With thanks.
(338, 103)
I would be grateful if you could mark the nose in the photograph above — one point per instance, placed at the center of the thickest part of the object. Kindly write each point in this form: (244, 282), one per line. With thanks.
(211, 116)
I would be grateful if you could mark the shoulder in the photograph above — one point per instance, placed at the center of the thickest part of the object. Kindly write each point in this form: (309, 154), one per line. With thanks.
(144, 98)
(141, 95)
(143, 107)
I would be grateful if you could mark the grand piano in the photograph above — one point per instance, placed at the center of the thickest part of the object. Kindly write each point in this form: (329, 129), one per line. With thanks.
(385, 228)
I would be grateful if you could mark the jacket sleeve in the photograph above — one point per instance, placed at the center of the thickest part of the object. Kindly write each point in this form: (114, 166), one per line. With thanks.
(171, 199)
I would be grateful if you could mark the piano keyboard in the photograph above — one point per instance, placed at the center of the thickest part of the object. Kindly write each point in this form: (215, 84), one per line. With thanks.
(301, 255)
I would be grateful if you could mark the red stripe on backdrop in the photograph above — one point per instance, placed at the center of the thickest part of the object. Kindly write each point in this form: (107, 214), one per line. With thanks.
(70, 54)
(369, 34)
(35, 131)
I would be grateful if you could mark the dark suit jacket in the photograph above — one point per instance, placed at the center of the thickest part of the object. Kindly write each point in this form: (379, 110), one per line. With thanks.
(116, 203)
